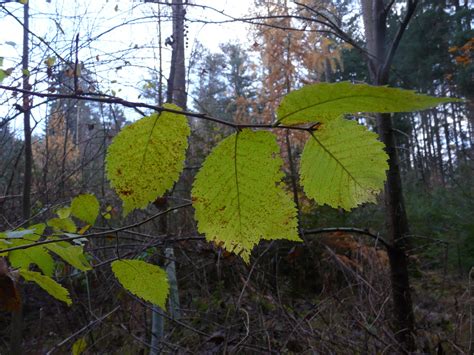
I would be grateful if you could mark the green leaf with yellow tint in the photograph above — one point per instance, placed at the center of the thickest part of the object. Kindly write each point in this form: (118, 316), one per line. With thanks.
(147, 281)
(238, 197)
(62, 225)
(343, 165)
(64, 212)
(47, 284)
(146, 158)
(72, 254)
(38, 255)
(79, 346)
(86, 208)
(324, 102)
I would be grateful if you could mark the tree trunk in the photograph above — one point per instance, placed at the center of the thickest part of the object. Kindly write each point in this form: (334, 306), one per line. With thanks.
(397, 229)
(439, 147)
(17, 317)
(176, 93)
(26, 117)
(379, 62)
(177, 79)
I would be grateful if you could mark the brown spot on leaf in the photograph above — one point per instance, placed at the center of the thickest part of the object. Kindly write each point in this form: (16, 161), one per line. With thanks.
(125, 192)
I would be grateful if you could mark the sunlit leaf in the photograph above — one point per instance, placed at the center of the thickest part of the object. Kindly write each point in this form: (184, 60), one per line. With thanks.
(85, 207)
(64, 212)
(72, 254)
(38, 255)
(237, 194)
(79, 346)
(50, 61)
(146, 158)
(47, 284)
(324, 102)
(62, 225)
(343, 165)
(147, 281)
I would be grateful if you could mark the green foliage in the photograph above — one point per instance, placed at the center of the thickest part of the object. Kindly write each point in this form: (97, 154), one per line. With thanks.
(324, 102)
(147, 281)
(343, 165)
(72, 254)
(3, 75)
(146, 158)
(62, 224)
(79, 346)
(64, 212)
(47, 284)
(38, 255)
(450, 212)
(23, 258)
(238, 196)
(3, 72)
(85, 207)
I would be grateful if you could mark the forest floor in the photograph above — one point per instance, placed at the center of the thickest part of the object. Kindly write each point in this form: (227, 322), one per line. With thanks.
(308, 299)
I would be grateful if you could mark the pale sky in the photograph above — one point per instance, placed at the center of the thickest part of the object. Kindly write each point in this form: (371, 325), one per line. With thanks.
(59, 21)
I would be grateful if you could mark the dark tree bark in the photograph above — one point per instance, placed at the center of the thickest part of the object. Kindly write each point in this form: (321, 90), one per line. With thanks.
(26, 205)
(17, 317)
(176, 93)
(177, 79)
(439, 147)
(381, 54)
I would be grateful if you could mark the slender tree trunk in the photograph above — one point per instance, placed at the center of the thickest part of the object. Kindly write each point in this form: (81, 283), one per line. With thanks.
(448, 141)
(380, 57)
(455, 133)
(439, 147)
(160, 56)
(177, 79)
(419, 158)
(397, 228)
(26, 117)
(176, 93)
(17, 317)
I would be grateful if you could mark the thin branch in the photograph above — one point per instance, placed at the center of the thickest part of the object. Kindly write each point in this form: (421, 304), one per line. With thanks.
(388, 7)
(99, 234)
(366, 232)
(87, 327)
(411, 7)
(132, 104)
(341, 34)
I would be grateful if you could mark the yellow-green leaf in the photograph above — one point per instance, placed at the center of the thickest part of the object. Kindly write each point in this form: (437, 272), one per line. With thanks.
(146, 158)
(38, 255)
(50, 61)
(79, 346)
(72, 254)
(147, 281)
(3, 75)
(343, 165)
(238, 197)
(64, 212)
(62, 225)
(47, 284)
(85, 207)
(323, 102)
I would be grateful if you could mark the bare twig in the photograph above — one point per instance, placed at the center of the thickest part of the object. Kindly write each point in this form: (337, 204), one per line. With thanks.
(87, 328)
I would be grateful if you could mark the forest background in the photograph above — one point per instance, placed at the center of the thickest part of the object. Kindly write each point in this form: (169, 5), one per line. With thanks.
(331, 294)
